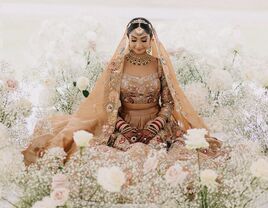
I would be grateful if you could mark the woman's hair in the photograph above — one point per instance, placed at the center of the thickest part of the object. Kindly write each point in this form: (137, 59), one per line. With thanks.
(133, 24)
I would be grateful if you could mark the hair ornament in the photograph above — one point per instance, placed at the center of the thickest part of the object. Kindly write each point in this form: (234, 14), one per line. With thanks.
(139, 21)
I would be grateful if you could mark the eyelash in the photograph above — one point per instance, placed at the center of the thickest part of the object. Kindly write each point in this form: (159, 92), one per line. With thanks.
(142, 41)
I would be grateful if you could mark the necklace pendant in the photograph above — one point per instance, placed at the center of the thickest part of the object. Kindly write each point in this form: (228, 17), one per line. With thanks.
(141, 60)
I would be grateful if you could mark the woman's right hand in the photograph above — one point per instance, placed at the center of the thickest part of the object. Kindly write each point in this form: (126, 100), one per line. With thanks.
(146, 136)
(132, 135)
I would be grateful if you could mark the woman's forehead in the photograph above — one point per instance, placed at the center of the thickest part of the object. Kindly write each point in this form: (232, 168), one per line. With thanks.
(139, 34)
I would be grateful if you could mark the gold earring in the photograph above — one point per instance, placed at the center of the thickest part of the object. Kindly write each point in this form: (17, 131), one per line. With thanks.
(149, 50)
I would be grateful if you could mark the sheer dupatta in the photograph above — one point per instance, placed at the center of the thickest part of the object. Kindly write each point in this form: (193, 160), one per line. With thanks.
(98, 112)
(184, 112)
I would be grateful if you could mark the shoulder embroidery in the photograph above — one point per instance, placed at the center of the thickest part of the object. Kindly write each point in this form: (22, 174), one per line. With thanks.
(160, 68)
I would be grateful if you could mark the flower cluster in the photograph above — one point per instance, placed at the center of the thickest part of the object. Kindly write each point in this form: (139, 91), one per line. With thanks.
(15, 108)
(225, 85)
(69, 68)
(102, 175)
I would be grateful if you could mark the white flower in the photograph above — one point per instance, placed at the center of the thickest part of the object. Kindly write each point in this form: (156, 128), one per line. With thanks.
(60, 181)
(196, 139)
(77, 62)
(208, 178)
(150, 164)
(55, 152)
(2, 85)
(82, 138)
(111, 179)
(50, 82)
(46, 97)
(220, 80)
(198, 95)
(3, 132)
(46, 202)
(60, 196)
(26, 106)
(11, 160)
(175, 175)
(248, 74)
(237, 47)
(260, 168)
(91, 36)
(82, 83)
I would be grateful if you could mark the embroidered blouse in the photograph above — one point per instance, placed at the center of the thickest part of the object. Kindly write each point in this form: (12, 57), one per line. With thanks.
(152, 88)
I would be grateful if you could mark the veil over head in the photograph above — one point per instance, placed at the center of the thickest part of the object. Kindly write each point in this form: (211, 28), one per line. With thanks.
(98, 112)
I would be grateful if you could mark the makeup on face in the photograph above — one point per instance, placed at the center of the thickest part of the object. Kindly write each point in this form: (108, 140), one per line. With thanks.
(139, 42)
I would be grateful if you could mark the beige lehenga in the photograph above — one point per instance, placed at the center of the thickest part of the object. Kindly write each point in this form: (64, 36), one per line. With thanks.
(140, 96)
(136, 99)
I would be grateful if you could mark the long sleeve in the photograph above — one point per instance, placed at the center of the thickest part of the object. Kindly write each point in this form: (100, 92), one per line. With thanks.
(167, 106)
(167, 103)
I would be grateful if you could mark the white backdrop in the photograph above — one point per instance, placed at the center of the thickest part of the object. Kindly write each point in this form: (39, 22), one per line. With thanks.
(19, 19)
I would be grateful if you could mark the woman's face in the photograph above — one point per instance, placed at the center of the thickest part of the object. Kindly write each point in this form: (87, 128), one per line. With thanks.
(139, 41)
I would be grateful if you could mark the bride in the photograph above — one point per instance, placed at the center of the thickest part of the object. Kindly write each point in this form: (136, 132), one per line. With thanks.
(136, 103)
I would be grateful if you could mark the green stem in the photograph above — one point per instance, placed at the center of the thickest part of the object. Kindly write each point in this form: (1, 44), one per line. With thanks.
(203, 189)
(247, 186)
(247, 203)
(80, 163)
(81, 152)
(235, 53)
(199, 165)
(98, 187)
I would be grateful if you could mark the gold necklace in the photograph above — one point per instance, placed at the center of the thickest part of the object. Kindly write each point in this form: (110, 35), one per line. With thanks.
(138, 60)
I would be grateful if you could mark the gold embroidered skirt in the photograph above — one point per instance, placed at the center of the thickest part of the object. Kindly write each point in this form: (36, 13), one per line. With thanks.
(137, 115)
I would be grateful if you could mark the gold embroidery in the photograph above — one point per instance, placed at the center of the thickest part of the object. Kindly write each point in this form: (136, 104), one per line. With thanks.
(113, 95)
(109, 108)
(115, 74)
(174, 95)
(136, 89)
(167, 103)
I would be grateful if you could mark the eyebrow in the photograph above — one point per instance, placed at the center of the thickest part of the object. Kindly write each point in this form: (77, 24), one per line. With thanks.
(141, 37)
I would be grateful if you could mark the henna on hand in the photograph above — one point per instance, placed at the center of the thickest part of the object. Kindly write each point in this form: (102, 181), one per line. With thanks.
(146, 135)
(132, 135)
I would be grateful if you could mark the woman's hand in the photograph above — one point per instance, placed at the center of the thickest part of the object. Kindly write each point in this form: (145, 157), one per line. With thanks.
(132, 135)
(146, 135)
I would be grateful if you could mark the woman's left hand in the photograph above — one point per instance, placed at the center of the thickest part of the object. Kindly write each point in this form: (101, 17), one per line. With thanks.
(146, 136)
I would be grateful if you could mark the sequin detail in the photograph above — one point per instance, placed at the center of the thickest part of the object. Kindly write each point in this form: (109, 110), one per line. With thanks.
(143, 90)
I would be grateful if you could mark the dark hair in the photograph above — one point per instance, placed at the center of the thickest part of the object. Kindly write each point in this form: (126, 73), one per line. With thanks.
(147, 27)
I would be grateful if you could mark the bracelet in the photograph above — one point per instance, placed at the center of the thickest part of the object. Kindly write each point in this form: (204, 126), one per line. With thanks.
(161, 120)
(122, 126)
(119, 124)
(157, 124)
(162, 117)
(152, 129)
(125, 130)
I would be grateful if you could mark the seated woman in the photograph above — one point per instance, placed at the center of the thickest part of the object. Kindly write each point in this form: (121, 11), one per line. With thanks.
(136, 100)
